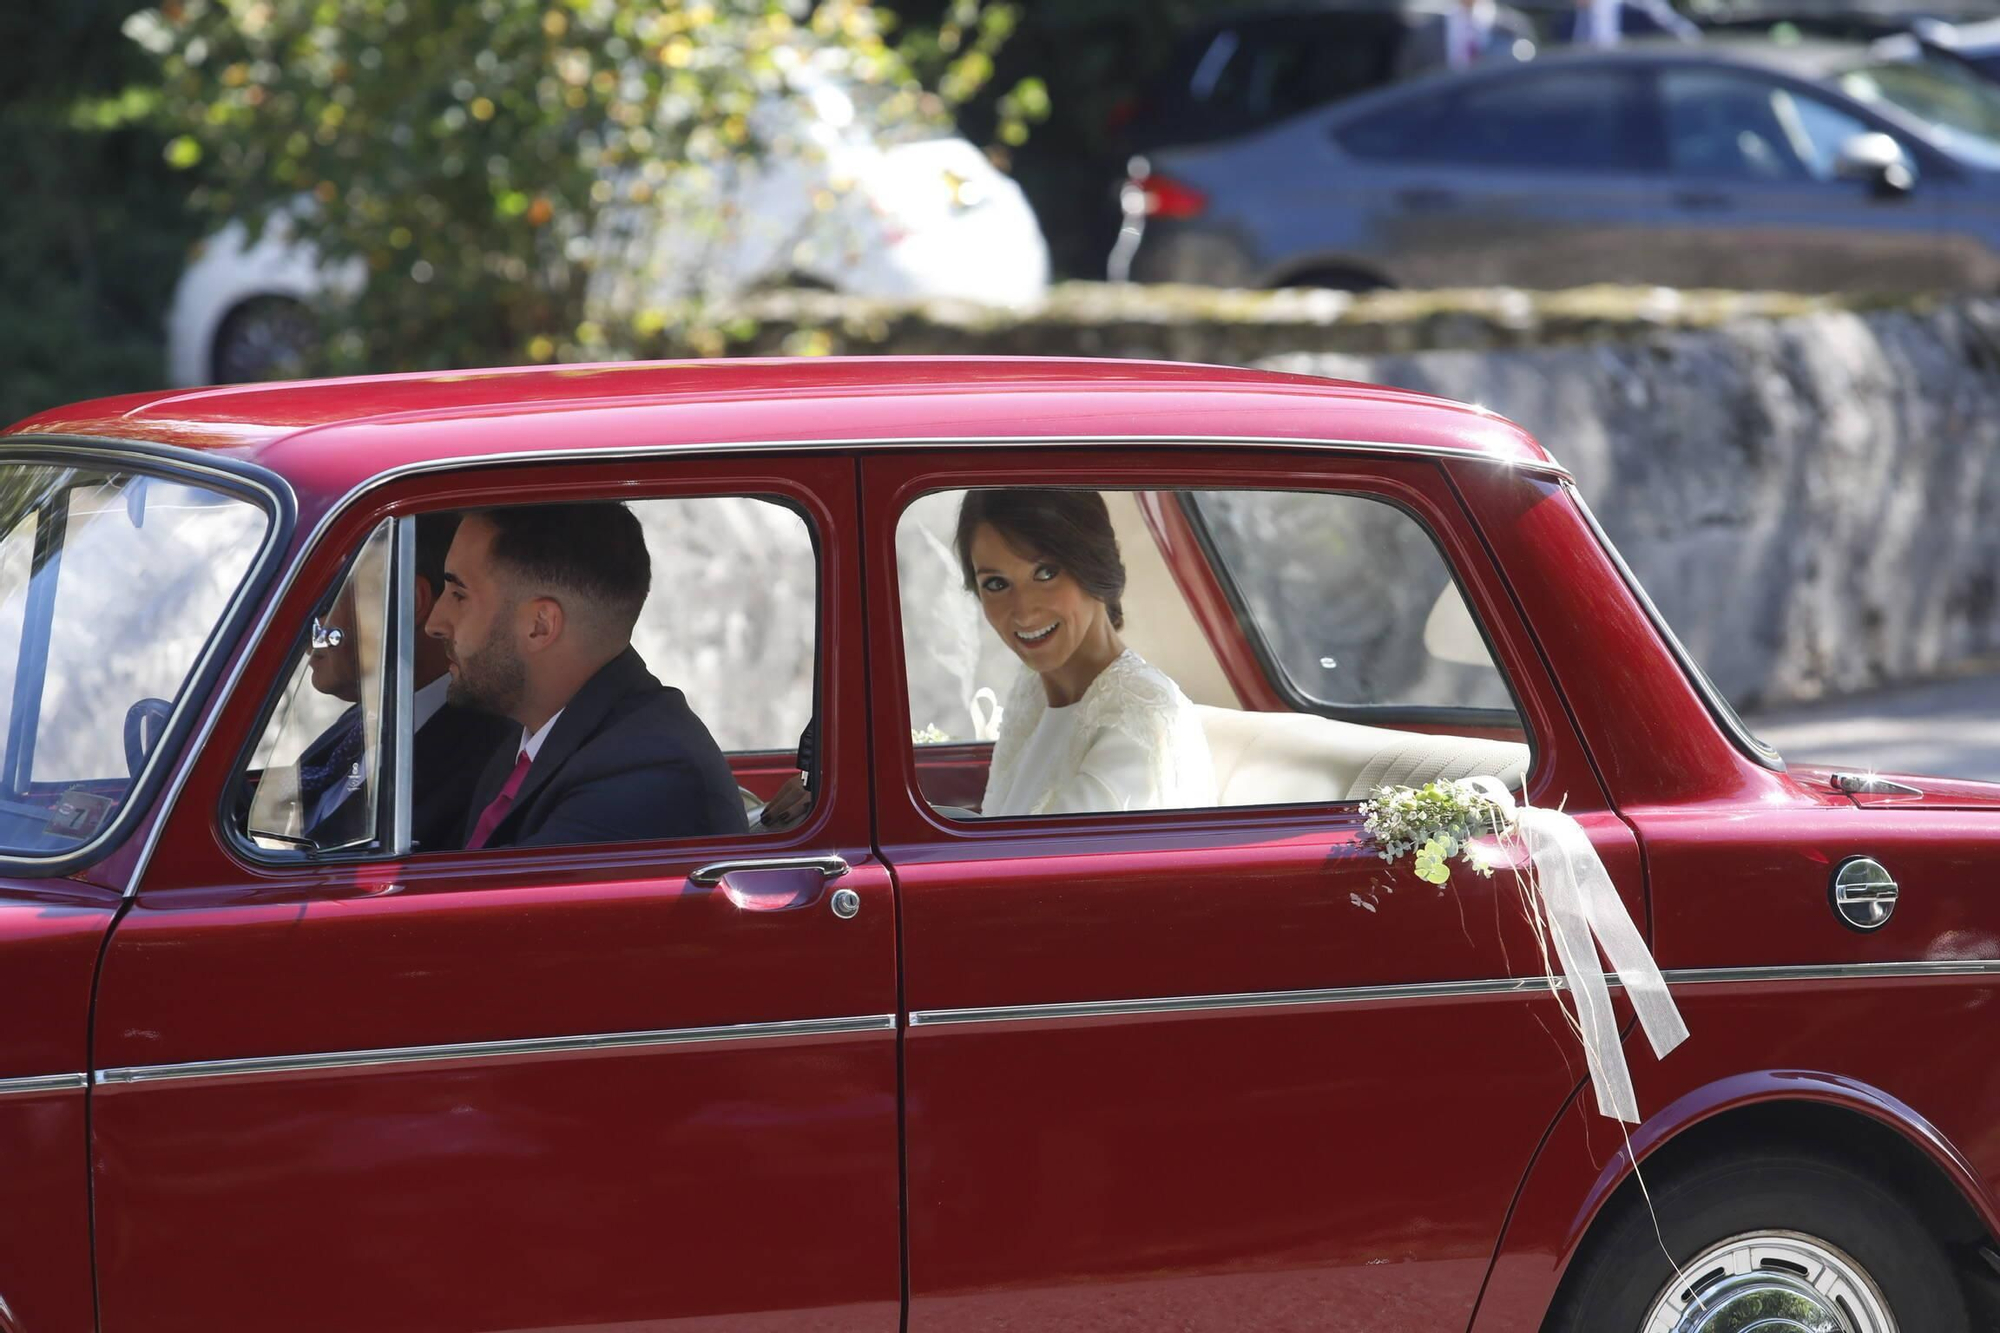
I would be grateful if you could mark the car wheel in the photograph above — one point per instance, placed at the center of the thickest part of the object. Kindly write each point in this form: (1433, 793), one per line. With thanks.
(1337, 280)
(1772, 1241)
(265, 338)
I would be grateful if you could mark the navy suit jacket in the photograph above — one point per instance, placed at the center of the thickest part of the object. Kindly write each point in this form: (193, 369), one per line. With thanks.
(627, 760)
(450, 756)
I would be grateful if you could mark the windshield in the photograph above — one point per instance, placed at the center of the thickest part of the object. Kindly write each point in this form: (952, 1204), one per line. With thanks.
(1962, 109)
(111, 583)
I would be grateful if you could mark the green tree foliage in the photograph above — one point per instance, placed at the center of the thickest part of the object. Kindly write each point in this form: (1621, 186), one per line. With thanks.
(459, 158)
(92, 232)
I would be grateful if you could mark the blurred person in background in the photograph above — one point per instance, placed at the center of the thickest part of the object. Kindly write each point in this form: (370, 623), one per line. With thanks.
(1470, 33)
(1605, 23)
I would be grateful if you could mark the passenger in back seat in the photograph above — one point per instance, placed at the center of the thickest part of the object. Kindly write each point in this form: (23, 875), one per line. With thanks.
(1090, 726)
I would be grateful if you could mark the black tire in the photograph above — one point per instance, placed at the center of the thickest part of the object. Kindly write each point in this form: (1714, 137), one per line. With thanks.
(1336, 280)
(264, 338)
(1622, 1271)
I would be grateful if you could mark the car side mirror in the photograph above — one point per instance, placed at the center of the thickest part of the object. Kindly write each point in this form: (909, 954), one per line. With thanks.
(1877, 160)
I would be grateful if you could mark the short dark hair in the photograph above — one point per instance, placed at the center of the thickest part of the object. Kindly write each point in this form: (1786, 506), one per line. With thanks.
(595, 551)
(1070, 529)
(434, 534)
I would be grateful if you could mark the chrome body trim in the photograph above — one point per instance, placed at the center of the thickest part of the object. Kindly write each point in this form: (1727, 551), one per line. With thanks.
(494, 1050)
(708, 876)
(1435, 990)
(14, 1087)
(1942, 967)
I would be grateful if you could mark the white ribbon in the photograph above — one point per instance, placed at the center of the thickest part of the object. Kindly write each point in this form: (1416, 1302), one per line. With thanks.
(1580, 902)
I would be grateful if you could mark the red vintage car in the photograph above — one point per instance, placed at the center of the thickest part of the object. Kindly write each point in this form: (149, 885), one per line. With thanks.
(905, 1064)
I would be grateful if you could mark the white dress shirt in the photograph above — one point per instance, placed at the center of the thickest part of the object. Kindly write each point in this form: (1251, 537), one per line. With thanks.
(532, 745)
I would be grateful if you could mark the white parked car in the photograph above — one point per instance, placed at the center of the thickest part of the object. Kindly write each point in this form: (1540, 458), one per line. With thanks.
(838, 201)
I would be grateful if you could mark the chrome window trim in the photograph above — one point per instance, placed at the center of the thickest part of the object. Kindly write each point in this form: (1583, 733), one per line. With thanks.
(1434, 990)
(403, 690)
(15, 1087)
(492, 1050)
(280, 512)
(171, 796)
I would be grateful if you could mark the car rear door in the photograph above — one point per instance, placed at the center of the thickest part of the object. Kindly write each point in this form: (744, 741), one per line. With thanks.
(578, 1087)
(1220, 1068)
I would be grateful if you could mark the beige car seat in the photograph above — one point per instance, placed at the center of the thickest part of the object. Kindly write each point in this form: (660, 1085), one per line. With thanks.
(1290, 758)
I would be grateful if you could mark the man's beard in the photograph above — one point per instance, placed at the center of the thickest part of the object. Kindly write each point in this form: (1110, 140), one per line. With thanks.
(491, 679)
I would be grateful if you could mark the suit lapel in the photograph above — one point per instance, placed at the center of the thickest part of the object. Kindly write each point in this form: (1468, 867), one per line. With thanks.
(581, 718)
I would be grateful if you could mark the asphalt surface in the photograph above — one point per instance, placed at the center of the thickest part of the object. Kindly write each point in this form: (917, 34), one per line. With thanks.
(1945, 728)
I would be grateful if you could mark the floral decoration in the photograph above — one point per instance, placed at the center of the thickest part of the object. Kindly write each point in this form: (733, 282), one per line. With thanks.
(1436, 822)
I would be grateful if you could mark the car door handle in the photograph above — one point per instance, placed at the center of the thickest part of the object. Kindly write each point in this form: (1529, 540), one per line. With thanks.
(1426, 198)
(777, 883)
(1706, 201)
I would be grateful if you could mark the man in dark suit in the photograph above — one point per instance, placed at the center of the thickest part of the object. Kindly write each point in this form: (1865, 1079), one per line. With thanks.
(536, 621)
(452, 742)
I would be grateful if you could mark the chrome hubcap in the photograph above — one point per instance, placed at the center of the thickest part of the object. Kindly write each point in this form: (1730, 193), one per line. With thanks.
(1770, 1282)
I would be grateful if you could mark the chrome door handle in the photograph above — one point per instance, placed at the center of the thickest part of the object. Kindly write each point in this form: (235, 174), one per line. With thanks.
(712, 874)
(1864, 893)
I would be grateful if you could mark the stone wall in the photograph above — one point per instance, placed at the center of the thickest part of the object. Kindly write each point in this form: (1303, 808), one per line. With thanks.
(1809, 487)
(1814, 503)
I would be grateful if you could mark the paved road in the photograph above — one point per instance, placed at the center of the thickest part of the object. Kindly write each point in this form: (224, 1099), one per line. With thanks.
(1947, 728)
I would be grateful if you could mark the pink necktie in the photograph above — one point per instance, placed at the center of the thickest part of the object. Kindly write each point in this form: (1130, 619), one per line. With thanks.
(496, 809)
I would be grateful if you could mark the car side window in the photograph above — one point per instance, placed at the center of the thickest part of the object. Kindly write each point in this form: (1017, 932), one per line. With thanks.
(571, 674)
(1085, 652)
(1730, 126)
(1404, 131)
(315, 780)
(1572, 121)
(1351, 603)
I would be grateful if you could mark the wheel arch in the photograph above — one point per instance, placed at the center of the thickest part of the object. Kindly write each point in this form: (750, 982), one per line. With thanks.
(1572, 1180)
(1839, 1116)
(1295, 272)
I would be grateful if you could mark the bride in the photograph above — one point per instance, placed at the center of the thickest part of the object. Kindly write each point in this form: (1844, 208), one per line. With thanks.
(1090, 726)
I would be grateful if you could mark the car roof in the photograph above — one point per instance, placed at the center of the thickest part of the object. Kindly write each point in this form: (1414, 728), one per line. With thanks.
(1811, 58)
(329, 437)
(1810, 61)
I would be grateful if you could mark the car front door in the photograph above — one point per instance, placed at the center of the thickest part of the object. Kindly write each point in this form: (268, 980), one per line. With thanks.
(1220, 1068)
(1756, 202)
(585, 1086)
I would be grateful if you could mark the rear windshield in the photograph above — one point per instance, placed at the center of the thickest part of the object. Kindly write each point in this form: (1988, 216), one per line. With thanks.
(112, 583)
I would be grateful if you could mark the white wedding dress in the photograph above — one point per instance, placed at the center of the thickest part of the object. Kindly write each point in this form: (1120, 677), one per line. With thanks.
(1132, 742)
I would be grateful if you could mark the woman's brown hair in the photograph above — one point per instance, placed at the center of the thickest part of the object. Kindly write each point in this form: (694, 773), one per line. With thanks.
(1069, 529)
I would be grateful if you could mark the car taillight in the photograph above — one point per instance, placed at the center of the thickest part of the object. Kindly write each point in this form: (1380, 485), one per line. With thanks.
(1165, 197)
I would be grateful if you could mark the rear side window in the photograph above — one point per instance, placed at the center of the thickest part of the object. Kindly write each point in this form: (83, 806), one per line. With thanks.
(1350, 602)
(1072, 651)
(1587, 120)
